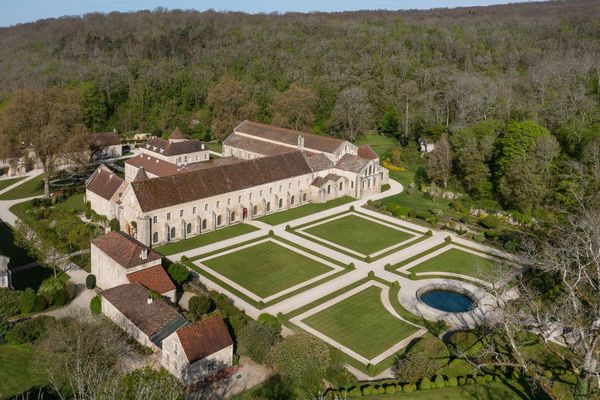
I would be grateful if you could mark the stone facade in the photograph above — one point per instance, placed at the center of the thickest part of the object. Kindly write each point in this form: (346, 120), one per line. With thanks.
(5, 276)
(124, 323)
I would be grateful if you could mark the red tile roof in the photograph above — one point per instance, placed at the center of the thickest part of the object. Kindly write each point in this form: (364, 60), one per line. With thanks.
(204, 338)
(153, 165)
(124, 249)
(177, 134)
(289, 136)
(104, 182)
(256, 145)
(172, 148)
(154, 278)
(365, 151)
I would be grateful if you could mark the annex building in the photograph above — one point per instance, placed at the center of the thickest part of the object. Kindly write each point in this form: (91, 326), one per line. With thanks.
(172, 190)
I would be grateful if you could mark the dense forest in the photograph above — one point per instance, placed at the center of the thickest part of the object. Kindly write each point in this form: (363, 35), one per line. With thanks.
(505, 89)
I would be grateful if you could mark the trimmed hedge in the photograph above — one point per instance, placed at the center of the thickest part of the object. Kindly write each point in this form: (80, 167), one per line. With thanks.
(96, 305)
(90, 281)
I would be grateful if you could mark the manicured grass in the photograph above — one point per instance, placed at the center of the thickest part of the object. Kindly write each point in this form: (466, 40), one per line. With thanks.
(361, 323)
(380, 144)
(8, 247)
(417, 199)
(34, 276)
(266, 268)
(359, 234)
(33, 187)
(214, 146)
(303, 211)
(18, 370)
(459, 262)
(205, 239)
(74, 203)
(4, 183)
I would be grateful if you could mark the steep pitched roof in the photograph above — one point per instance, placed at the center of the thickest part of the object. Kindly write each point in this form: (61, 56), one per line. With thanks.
(140, 175)
(289, 136)
(319, 162)
(125, 250)
(320, 181)
(256, 146)
(204, 338)
(351, 163)
(153, 278)
(167, 148)
(365, 151)
(176, 134)
(153, 165)
(131, 300)
(153, 194)
(104, 182)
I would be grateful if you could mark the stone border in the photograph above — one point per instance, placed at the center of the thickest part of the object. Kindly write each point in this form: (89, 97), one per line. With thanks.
(334, 269)
(450, 287)
(415, 236)
(298, 321)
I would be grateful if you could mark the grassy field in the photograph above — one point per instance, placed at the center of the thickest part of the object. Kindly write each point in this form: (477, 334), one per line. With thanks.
(214, 146)
(359, 234)
(266, 268)
(459, 262)
(4, 183)
(303, 211)
(361, 323)
(205, 239)
(18, 256)
(417, 199)
(73, 203)
(33, 187)
(380, 144)
(18, 370)
(33, 277)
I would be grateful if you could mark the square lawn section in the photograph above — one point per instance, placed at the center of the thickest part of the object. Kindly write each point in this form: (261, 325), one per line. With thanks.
(458, 262)
(359, 234)
(361, 323)
(266, 268)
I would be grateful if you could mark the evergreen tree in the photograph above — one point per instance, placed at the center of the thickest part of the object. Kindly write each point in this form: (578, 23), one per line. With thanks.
(389, 123)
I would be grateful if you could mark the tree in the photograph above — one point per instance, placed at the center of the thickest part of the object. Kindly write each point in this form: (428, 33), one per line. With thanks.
(178, 272)
(520, 138)
(42, 250)
(95, 111)
(439, 165)
(200, 305)
(352, 113)
(147, 383)
(47, 121)
(389, 122)
(255, 340)
(302, 358)
(230, 103)
(295, 108)
(414, 367)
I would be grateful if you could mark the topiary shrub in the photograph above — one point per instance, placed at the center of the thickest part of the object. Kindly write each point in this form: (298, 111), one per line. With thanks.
(425, 384)
(439, 382)
(381, 390)
(351, 266)
(480, 379)
(27, 301)
(366, 391)
(448, 239)
(351, 208)
(271, 233)
(470, 381)
(390, 389)
(90, 281)
(412, 213)
(395, 284)
(183, 259)
(96, 305)
(288, 228)
(368, 259)
(429, 233)
(371, 274)
(452, 381)
(461, 380)
(412, 276)
(408, 388)
(271, 321)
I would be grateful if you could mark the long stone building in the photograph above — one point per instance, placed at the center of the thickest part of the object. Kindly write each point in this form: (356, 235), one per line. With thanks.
(264, 170)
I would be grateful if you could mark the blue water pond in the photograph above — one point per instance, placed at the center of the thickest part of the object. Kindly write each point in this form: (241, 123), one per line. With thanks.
(447, 300)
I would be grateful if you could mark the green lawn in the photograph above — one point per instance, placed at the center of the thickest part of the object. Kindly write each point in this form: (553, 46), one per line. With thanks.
(417, 199)
(8, 247)
(380, 144)
(205, 239)
(303, 211)
(459, 262)
(33, 277)
(73, 203)
(361, 323)
(18, 370)
(33, 187)
(214, 146)
(266, 268)
(4, 183)
(359, 234)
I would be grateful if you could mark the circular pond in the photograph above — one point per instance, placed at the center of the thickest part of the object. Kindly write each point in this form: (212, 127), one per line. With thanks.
(447, 300)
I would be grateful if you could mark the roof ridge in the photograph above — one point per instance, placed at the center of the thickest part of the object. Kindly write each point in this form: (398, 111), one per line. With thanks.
(291, 130)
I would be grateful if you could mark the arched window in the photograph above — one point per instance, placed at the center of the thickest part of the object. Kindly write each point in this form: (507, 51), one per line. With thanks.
(218, 220)
(341, 185)
(189, 229)
(268, 206)
(293, 199)
(254, 210)
(232, 216)
(203, 224)
(173, 232)
(328, 189)
(155, 237)
(280, 203)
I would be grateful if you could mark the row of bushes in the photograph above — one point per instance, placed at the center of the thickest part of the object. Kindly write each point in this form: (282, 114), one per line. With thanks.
(52, 292)
(437, 382)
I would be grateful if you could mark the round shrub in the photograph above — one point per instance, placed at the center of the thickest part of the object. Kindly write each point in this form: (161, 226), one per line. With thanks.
(490, 234)
(271, 233)
(368, 259)
(439, 382)
(396, 284)
(371, 274)
(27, 301)
(391, 206)
(490, 222)
(355, 392)
(351, 266)
(271, 321)
(461, 380)
(452, 381)
(412, 213)
(479, 238)
(480, 379)
(49, 287)
(381, 390)
(90, 281)
(448, 239)
(389, 389)
(96, 305)
(40, 304)
(366, 391)
(288, 228)
(200, 305)
(183, 259)
(470, 381)
(351, 208)
(178, 273)
(429, 233)
(408, 388)
(60, 297)
(425, 384)
(489, 377)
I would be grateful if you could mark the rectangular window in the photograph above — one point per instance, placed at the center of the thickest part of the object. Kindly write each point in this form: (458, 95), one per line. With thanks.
(168, 216)
(228, 202)
(206, 207)
(155, 219)
(250, 196)
(280, 188)
(194, 210)
(218, 202)
(260, 193)
(290, 185)
(239, 199)
(180, 213)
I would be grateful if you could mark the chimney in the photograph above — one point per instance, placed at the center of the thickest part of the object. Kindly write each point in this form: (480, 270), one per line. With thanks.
(144, 254)
(150, 300)
(202, 147)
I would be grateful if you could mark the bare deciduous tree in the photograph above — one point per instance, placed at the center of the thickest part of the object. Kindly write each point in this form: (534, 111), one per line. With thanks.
(439, 166)
(352, 113)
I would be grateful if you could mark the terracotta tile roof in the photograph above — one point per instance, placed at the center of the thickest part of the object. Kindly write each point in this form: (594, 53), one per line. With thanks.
(153, 165)
(351, 163)
(214, 162)
(153, 194)
(204, 338)
(320, 181)
(176, 134)
(365, 151)
(256, 145)
(104, 182)
(124, 249)
(153, 278)
(156, 144)
(132, 301)
(289, 136)
(140, 175)
(319, 162)
(105, 138)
